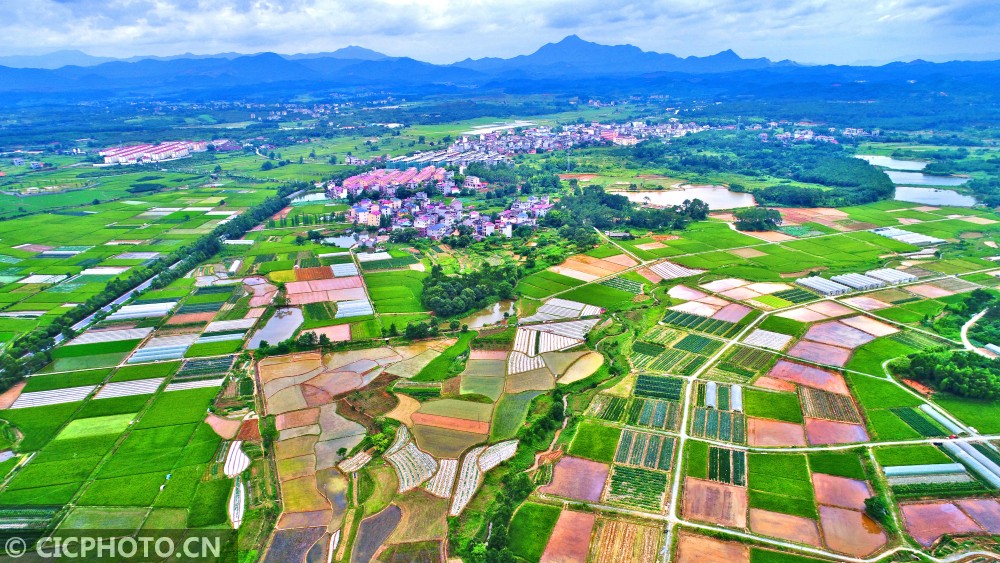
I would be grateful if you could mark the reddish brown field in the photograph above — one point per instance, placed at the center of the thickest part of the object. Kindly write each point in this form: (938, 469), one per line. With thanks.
(929, 291)
(919, 387)
(622, 260)
(784, 526)
(802, 315)
(460, 424)
(322, 285)
(822, 432)
(708, 501)
(570, 540)
(318, 273)
(765, 432)
(837, 333)
(649, 275)
(809, 376)
(830, 309)
(488, 355)
(984, 511)
(766, 382)
(8, 397)
(699, 549)
(297, 418)
(733, 313)
(927, 521)
(840, 491)
(870, 325)
(850, 531)
(249, 431)
(191, 318)
(820, 353)
(577, 478)
(226, 428)
(866, 303)
(337, 333)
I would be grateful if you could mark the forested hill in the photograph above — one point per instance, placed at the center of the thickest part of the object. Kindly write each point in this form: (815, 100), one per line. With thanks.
(846, 180)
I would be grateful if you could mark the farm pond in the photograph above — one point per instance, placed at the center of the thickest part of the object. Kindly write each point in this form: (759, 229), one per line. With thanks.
(278, 328)
(717, 197)
(933, 196)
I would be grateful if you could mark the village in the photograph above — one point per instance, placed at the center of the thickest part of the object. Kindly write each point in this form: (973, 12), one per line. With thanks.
(433, 219)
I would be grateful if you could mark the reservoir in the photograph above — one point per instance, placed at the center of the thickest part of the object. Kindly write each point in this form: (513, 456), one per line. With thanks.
(933, 196)
(489, 315)
(278, 328)
(919, 179)
(717, 197)
(893, 163)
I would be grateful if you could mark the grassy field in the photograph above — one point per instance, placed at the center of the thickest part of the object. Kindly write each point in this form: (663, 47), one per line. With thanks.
(530, 529)
(396, 291)
(777, 406)
(781, 483)
(600, 295)
(442, 366)
(545, 283)
(595, 441)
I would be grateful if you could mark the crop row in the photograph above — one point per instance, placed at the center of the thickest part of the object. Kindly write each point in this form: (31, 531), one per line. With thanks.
(719, 425)
(388, 264)
(677, 361)
(817, 403)
(660, 335)
(658, 387)
(662, 415)
(699, 345)
(751, 359)
(647, 348)
(607, 407)
(918, 422)
(701, 324)
(639, 488)
(916, 340)
(727, 466)
(795, 295)
(624, 285)
(642, 449)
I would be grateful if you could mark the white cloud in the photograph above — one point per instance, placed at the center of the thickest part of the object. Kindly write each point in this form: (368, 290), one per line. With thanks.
(448, 30)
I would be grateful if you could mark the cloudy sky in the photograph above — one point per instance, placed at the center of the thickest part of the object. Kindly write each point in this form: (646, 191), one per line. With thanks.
(812, 31)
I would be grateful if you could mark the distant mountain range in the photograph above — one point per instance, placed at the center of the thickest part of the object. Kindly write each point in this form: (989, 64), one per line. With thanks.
(572, 65)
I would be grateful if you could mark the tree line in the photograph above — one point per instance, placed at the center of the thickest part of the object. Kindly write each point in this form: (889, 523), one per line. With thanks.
(591, 206)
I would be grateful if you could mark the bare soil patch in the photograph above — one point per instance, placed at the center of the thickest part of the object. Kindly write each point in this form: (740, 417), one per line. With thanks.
(784, 526)
(765, 432)
(708, 501)
(577, 478)
(570, 539)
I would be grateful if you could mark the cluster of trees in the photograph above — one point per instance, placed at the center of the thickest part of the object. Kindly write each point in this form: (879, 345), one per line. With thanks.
(450, 296)
(591, 206)
(987, 328)
(305, 341)
(965, 374)
(757, 219)
(31, 352)
(743, 153)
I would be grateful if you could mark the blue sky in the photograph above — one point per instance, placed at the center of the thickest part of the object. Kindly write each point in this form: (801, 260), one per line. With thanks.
(441, 31)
